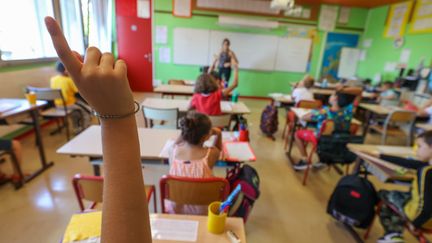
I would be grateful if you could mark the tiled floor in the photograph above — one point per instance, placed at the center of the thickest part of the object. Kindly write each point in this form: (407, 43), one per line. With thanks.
(285, 212)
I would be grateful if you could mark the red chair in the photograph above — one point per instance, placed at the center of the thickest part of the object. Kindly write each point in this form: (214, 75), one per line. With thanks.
(419, 233)
(192, 191)
(90, 188)
(290, 119)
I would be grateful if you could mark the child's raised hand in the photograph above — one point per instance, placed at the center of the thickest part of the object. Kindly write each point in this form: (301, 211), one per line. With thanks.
(101, 81)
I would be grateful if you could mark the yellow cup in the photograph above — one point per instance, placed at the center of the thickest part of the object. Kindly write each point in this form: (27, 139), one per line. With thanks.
(215, 221)
(31, 98)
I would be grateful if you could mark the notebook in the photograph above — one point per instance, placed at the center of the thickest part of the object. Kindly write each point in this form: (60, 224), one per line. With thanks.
(238, 151)
(5, 106)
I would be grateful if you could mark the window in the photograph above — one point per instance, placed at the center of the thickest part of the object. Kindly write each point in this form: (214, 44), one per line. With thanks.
(22, 30)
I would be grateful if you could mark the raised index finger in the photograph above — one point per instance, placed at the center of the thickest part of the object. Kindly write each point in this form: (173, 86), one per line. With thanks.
(72, 64)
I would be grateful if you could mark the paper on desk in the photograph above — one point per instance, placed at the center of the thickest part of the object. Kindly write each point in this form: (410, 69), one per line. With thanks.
(165, 152)
(174, 229)
(83, 227)
(5, 106)
(226, 106)
(238, 151)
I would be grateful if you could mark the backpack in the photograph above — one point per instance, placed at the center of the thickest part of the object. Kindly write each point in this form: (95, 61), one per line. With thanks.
(353, 201)
(269, 120)
(248, 177)
(332, 149)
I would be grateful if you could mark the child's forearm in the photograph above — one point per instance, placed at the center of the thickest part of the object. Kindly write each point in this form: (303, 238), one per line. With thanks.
(123, 183)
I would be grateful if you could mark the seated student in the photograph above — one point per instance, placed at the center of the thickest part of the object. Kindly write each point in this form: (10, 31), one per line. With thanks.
(65, 83)
(13, 146)
(303, 89)
(340, 111)
(190, 158)
(388, 95)
(367, 86)
(208, 94)
(416, 205)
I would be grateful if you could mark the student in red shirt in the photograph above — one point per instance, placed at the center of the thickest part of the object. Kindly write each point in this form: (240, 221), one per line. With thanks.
(208, 94)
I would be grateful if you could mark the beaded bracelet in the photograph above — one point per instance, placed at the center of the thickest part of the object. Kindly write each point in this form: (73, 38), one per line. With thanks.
(118, 116)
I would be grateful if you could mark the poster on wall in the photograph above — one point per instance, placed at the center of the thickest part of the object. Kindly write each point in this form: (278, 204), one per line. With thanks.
(422, 18)
(397, 19)
(327, 18)
(332, 53)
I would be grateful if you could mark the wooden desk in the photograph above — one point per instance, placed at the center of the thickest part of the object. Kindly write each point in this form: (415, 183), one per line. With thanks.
(383, 172)
(323, 92)
(227, 107)
(152, 142)
(166, 89)
(234, 224)
(282, 98)
(424, 126)
(20, 112)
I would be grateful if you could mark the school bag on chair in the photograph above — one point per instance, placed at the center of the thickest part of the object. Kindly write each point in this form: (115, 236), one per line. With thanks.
(353, 201)
(332, 149)
(269, 120)
(249, 180)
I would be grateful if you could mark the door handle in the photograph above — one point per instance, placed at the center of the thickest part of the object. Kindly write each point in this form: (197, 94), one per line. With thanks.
(148, 57)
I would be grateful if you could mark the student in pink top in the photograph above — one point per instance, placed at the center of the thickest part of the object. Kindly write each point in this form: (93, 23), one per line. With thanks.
(208, 93)
(189, 157)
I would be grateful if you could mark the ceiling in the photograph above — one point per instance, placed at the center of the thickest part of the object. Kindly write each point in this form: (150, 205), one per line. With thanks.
(350, 3)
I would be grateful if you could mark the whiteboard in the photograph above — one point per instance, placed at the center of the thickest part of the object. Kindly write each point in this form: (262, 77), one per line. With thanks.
(254, 51)
(293, 54)
(191, 46)
(348, 62)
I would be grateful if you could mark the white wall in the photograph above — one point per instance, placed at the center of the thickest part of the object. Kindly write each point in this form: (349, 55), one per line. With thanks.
(13, 83)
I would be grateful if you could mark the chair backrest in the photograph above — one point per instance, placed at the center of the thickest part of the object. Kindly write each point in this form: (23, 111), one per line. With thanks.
(160, 115)
(401, 116)
(88, 188)
(46, 93)
(221, 121)
(309, 104)
(192, 191)
(176, 82)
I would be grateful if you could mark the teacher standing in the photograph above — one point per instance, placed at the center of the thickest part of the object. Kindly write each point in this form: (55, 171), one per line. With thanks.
(224, 61)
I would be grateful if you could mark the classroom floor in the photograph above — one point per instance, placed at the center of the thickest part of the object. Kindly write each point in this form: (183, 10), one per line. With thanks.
(286, 211)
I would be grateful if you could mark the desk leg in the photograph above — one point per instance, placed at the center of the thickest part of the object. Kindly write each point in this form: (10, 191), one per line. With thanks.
(45, 164)
(96, 169)
(368, 117)
(292, 141)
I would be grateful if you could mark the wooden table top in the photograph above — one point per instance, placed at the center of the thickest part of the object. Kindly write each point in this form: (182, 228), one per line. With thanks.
(234, 224)
(424, 126)
(175, 89)
(152, 142)
(19, 106)
(183, 105)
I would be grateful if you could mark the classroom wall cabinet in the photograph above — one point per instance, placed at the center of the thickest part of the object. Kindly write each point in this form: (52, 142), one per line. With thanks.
(134, 37)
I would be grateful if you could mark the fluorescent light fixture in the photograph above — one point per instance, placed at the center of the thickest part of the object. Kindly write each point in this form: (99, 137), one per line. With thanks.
(243, 22)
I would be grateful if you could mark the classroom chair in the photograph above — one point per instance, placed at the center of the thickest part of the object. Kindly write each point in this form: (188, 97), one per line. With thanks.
(327, 128)
(290, 118)
(192, 191)
(418, 232)
(90, 188)
(392, 125)
(221, 121)
(55, 113)
(163, 115)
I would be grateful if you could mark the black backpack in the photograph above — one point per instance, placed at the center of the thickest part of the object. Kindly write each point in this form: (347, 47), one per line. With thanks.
(248, 177)
(332, 149)
(269, 120)
(353, 201)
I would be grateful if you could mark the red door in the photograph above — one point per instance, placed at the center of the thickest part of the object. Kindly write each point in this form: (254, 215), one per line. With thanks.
(134, 38)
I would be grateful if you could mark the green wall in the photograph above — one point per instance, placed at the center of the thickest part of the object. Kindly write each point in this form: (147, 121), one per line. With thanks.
(252, 83)
(382, 49)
